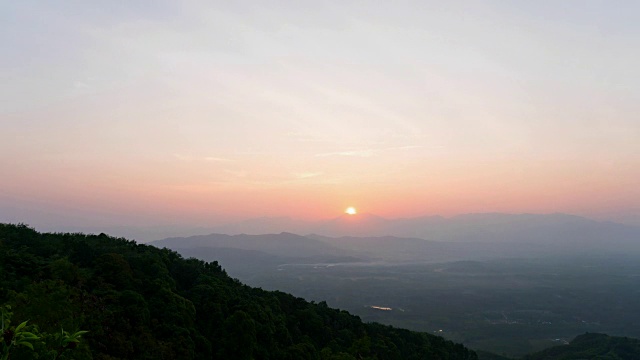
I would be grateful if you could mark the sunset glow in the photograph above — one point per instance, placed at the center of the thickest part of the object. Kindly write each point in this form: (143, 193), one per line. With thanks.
(205, 113)
(351, 211)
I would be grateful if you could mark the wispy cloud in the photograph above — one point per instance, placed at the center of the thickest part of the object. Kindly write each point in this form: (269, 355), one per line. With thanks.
(217, 159)
(237, 173)
(355, 153)
(304, 137)
(80, 85)
(189, 158)
(408, 147)
(368, 152)
(306, 175)
(181, 157)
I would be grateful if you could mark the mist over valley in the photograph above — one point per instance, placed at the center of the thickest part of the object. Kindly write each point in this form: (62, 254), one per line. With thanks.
(524, 283)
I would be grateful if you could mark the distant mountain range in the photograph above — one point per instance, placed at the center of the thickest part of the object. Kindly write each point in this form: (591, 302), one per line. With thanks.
(491, 227)
(283, 244)
(431, 239)
(488, 227)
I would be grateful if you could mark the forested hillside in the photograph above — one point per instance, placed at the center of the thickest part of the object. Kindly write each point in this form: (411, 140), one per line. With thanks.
(141, 302)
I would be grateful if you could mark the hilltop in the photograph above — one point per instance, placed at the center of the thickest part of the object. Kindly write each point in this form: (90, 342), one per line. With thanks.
(142, 302)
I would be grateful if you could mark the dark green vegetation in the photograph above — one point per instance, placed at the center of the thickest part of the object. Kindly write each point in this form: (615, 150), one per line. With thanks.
(592, 346)
(141, 302)
(15, 338)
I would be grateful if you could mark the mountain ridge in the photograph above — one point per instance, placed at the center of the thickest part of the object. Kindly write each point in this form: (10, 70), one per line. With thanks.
(472, 236)
(480, 227)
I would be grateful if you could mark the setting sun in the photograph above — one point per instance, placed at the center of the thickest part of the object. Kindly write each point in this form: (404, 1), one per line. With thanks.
(351, 211)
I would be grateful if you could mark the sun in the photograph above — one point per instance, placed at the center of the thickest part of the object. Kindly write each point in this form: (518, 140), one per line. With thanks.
(351, 211)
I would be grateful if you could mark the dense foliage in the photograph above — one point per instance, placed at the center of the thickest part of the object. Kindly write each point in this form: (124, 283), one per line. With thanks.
(49, 346)
(141, 302)
(592, 346)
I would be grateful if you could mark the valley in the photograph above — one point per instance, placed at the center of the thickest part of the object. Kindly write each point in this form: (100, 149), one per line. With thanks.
(509, 297)
(510, 307)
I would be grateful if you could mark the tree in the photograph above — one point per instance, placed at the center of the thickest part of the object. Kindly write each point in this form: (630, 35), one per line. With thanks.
(14, 336)
(29, 337)
(239, 337)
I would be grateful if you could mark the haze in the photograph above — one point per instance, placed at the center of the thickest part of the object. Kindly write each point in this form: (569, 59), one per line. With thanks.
(192, 113)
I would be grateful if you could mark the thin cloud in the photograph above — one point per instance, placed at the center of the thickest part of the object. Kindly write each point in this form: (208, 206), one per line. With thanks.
(355, 153)
(81, 85)
(182, 157)
(217, 159)
(408, 147)
(307, 175)
(237, 173)
(189, 158)
(304, 137)
(368, 152)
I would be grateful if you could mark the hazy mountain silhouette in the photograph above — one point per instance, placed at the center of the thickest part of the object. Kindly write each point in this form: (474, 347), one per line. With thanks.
(265, 225)
(282, 245)
(477, 237)
(485, 228)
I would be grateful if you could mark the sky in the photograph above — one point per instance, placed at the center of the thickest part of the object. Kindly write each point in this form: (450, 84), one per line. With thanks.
(203, 112)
